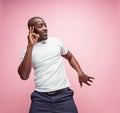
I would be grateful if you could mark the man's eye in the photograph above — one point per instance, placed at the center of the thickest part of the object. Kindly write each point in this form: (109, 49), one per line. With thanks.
(39, 26)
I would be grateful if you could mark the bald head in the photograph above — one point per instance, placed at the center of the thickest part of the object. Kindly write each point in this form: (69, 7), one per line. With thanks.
(33, 20)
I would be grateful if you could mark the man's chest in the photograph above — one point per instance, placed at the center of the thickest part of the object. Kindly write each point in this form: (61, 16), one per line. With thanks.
(45, 53)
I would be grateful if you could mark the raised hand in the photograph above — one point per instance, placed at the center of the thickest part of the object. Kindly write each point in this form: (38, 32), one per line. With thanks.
(32, 37)
(85, 79)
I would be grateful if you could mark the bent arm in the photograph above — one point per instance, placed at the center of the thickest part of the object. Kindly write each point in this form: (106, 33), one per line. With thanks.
(25, 66)
(73, 62)
(83, 78)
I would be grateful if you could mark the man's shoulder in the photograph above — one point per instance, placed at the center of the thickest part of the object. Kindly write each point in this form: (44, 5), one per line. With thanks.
(53, 38)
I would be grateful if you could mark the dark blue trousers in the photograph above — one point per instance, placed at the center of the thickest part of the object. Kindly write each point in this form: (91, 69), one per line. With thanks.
(59, 103)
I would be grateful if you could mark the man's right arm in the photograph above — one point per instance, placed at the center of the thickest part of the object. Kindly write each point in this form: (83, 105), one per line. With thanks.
(25, 66)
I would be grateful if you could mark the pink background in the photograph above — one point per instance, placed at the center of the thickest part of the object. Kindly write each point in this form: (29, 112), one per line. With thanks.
(91, 31)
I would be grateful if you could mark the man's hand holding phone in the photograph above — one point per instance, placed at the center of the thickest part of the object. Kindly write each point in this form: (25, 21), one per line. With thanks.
(32, 37)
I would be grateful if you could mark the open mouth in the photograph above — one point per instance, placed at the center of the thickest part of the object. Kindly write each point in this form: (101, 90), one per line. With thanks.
(44, 33)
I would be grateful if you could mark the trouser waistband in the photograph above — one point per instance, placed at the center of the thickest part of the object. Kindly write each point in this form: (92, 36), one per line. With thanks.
(56, 92)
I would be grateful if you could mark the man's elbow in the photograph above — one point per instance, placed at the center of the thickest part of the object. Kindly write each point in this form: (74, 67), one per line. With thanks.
(23, 76)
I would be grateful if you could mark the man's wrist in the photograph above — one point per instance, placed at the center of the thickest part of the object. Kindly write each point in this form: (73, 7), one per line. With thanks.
(80, 73)
(29, 47)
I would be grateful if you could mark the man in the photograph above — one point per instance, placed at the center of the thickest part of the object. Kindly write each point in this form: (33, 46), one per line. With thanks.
(52, 93)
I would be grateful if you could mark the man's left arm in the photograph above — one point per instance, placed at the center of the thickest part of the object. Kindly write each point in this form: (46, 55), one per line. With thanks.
(83, 78)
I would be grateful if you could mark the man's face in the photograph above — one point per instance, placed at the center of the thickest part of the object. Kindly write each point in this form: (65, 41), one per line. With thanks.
(41, 29)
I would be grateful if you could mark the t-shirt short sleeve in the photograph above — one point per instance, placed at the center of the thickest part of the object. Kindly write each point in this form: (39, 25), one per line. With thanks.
(22, 55)
(64, 49)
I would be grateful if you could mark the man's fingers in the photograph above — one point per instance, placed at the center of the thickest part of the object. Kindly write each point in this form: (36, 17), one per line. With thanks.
(35, 39)
(87, 83)
(90, 80)
(91, 77)
(38, 35)
(31, 30)
(80, 83)
(85, 79)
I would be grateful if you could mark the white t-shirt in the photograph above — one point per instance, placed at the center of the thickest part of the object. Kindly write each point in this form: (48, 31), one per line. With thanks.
(50, 74)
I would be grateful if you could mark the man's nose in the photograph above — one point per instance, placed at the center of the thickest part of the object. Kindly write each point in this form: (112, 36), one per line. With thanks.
(44, 28)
